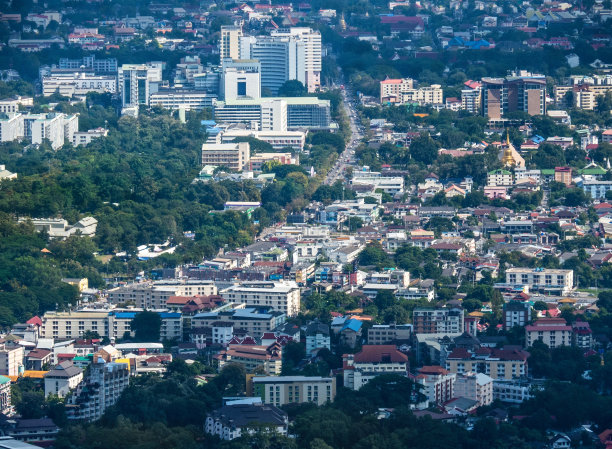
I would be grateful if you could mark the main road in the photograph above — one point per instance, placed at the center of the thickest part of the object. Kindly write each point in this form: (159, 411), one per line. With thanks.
(348, 155)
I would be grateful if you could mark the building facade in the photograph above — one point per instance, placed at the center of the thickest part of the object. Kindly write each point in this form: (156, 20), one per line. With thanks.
(282, 390)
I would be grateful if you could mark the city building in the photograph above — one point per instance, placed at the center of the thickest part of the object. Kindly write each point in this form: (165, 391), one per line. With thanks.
(254, 358)
(136, 82)
(237, 83)
(101, 387)
(234, 420)
(317, 337)
(11, 360)
(500, 178)
(85, 137)
(516, 313)
(108, 65)
(595, 189)
(59, 228)
(553, 332)
(519, 92)
(62, 379)
(187, 99)
(505, 363)
(6, 406)
(280, 140)
(475, 386)
(372, 361)
(582, 334)
(234, 156)
(57, 128)
(11, 127)
(277, 296)
(283, 390)
(155, 295)
(384, 334)
(78, 83)
(438, 321)
(229, 42)
(391, 89)
(546, 279)
(250, 319)
(13, 104)
(438, 384)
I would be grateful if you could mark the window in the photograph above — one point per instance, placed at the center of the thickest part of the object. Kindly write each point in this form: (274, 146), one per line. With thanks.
(241, 88)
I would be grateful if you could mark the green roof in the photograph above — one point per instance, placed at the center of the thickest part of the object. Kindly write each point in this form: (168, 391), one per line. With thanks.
(547, 171)
(499, 172)
(592, 171)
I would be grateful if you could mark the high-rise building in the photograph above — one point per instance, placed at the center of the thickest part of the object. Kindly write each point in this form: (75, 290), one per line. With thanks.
(519, 92)
(278, 296)
(438, 321)
(11, 127)
(288, 54)
(240, 84)
(282, 390)
(137, 81)
(229, 44)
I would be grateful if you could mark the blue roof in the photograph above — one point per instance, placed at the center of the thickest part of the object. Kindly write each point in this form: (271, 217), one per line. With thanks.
(208, 122)
(125, 314)
(352, 324)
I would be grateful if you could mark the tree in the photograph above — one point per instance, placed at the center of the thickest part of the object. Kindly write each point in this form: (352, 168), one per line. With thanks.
(292, 88)
(373, 254)
(424, 149)
(146, 326)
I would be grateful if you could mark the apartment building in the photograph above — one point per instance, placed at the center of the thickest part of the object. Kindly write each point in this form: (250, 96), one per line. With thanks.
(250, 319)
(553, 332)
(516, 313)
(495, 363)
(85, 137)
(595, 189)
(438, 321)
(546, 279)
(254, 358)
(500, 177)
(514, 391)
(11, 127)
(310, 40)
(389, 184)
(154, 295)
(111, 324)
(108, 65)
(234, 156)
(56, 127)
(11, 105)
(391, 89)
(428, 95)
(11, 360)
(582, 335)
(187, 99)
(229, 42)
(584, 90)
(384, 334)
(277, 296)
(78, 83)
(519, 92)
(372, 361)
(471, 97)
(101, 388)
(62, 379)
(283, 390)
(233, 420)
(475, 386)
(438, 384)
(278, 139)
(317, 337)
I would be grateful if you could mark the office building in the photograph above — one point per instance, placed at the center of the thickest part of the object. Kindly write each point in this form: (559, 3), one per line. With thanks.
(240, 79)
(62, 379)
(553, 332)
(233, 420)
(438, 321)
(283, 390)
(11, 360)
(280, 140)
(101, 388)
(311, 41)
(136, 82)
(78, 83)
(11, 127)
(391, 89)
(516, 313)
(278, 296)
(372, 361)
(301, 113)
(108, 65)
(523, 92)
(187, 99)
(229, 42)
(234, 156)
(545, 279)
(252, 320)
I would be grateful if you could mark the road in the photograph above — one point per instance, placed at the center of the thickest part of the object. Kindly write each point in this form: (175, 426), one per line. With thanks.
(347, 157)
